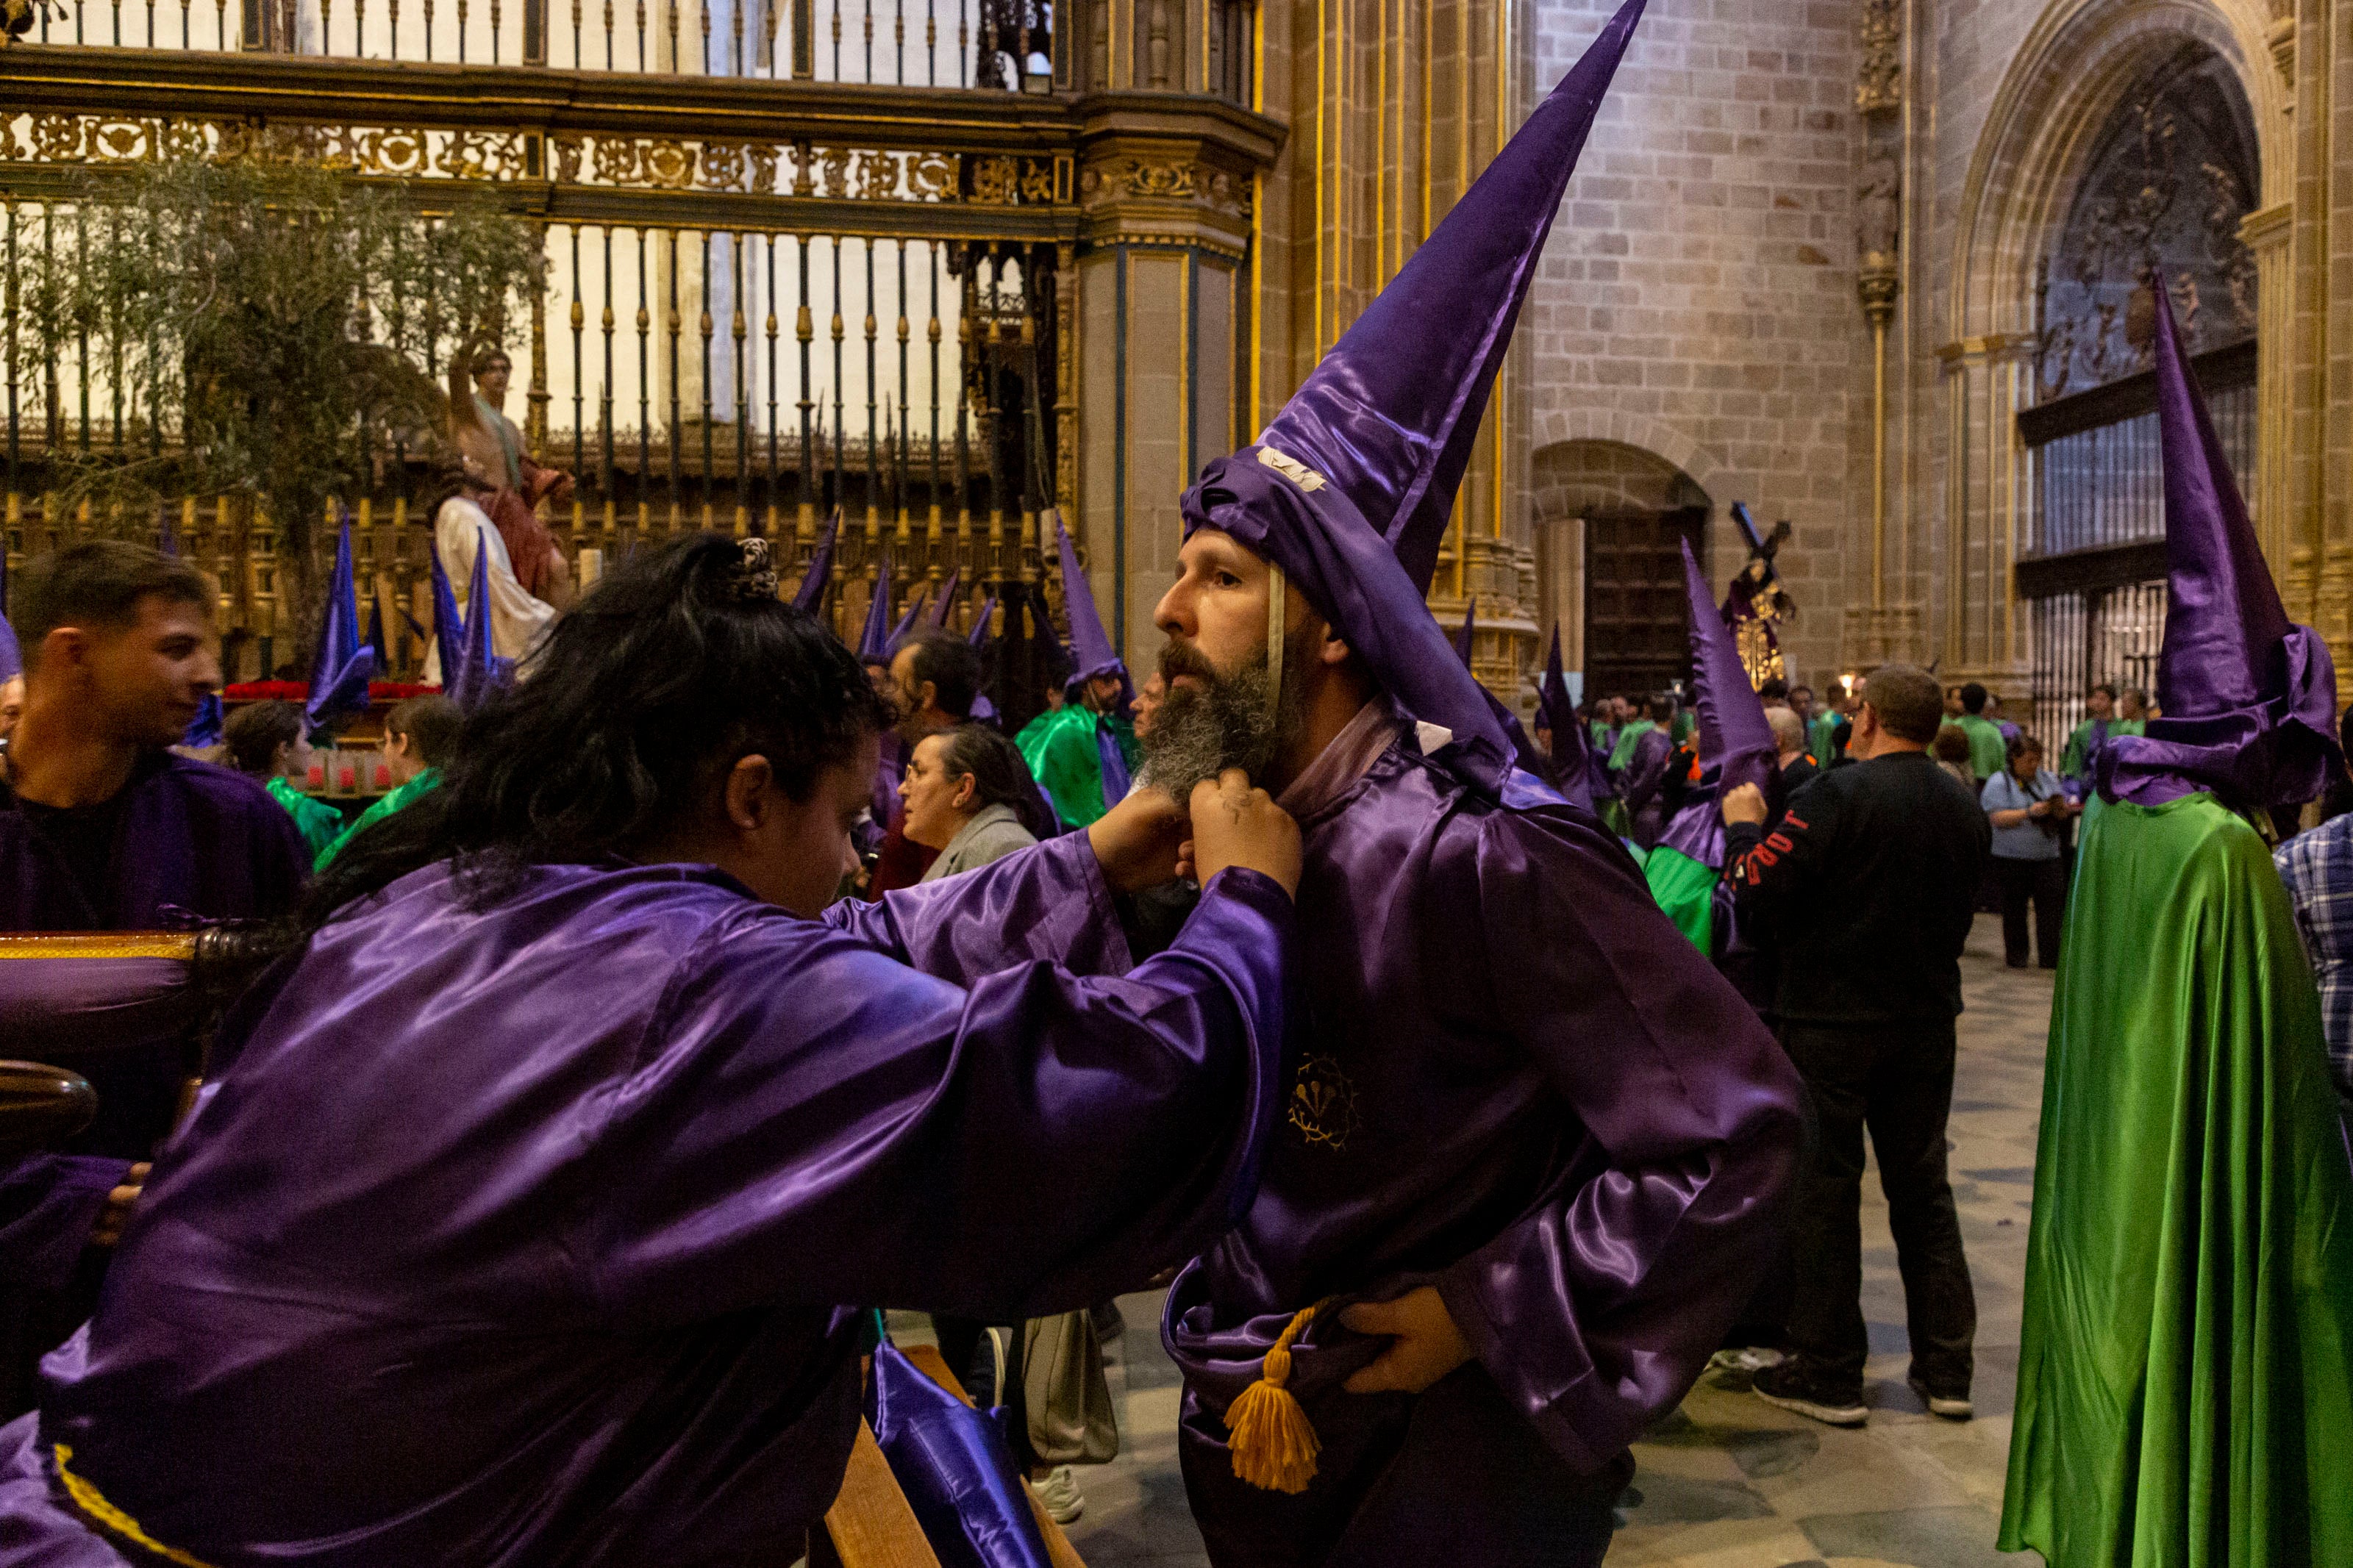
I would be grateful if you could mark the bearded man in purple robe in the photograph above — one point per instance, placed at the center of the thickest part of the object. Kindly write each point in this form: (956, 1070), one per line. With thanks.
(1534, 1146)
(103, 828)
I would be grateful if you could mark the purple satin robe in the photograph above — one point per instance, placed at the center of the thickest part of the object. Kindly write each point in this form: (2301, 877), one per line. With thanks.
(1514, 1080)
(1645, 771)
(540, 1235)
(193, 840)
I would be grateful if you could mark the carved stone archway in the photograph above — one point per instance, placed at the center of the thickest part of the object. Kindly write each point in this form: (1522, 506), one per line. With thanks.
(1627, 489)
(2078, 66)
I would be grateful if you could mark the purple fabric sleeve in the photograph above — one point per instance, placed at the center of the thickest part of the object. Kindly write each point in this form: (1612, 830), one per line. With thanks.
(814, 1118)
(1050, 901)
(1595, 1310)
(47, 1204)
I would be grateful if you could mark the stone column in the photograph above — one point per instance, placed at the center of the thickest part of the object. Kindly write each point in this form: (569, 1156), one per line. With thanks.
(2266, 234)
(1986, 472)
(1167, 200)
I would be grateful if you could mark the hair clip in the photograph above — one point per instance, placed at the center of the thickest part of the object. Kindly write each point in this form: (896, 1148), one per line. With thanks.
(756, 574)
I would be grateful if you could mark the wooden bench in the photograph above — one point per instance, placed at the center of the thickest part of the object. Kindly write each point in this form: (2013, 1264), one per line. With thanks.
(871, 1524)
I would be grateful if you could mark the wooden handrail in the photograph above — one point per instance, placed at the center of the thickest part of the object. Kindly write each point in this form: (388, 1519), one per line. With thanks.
(179, 944)
(870, 1525)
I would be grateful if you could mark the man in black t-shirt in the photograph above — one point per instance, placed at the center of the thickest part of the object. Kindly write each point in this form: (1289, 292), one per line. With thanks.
(1865, 886)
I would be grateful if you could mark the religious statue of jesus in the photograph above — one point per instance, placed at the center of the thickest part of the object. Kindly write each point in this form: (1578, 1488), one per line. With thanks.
(489, 440)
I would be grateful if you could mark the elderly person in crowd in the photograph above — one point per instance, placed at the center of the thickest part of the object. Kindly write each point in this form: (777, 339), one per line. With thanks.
(1790, 750)
(2029, 808)
(968, 794)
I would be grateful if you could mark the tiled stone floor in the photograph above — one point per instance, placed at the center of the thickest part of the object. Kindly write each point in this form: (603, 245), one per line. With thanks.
(1728, 1481)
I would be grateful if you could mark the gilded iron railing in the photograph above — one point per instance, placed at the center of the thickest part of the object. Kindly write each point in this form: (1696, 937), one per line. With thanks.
(774, 293)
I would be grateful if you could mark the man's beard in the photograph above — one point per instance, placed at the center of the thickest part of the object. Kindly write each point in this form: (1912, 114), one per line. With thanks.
(1227, 721)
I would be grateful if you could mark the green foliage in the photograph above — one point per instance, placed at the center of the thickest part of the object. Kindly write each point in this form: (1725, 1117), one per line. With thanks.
(268, 331)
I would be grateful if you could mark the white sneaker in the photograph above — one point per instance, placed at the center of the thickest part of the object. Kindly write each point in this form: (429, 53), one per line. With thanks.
(1058, 1494)
(1951, 1409)
(1752, 1360)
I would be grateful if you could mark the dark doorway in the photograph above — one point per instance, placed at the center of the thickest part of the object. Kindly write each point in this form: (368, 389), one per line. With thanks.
(1637, 623)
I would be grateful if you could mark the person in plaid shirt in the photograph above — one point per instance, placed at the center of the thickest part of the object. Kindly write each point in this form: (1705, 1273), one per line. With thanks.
(2317, 868)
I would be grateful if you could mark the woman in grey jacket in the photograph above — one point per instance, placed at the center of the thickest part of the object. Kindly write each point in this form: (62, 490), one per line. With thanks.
(969, 795)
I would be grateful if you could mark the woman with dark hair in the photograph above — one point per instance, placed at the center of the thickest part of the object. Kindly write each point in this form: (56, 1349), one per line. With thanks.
(266, 740)
(529, 1214)
(969, 795)
(2029, 808)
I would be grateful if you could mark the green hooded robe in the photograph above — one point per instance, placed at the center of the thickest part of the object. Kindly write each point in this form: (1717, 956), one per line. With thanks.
(2185, 1384)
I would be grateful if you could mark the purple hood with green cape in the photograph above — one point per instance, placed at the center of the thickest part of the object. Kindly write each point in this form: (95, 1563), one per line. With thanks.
(2185, 1380)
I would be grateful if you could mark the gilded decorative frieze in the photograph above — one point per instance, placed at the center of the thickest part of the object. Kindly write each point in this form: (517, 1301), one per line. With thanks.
(588, 159)
(391, 152)
(1125, 179)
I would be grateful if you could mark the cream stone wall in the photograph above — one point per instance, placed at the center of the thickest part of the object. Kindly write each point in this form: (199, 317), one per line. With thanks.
(1697, 300)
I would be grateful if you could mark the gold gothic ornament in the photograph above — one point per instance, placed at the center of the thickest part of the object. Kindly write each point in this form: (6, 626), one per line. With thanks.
(1324, 1104)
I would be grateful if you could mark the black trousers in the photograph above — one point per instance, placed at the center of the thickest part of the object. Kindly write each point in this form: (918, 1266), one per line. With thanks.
(2044, 883)
(1898, 1081)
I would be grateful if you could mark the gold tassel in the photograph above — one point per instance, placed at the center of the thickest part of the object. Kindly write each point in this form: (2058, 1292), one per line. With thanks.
(1275, 1446)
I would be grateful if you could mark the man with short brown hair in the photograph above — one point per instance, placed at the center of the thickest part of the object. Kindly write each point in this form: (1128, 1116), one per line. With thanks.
(102, 827)
(1865, 885)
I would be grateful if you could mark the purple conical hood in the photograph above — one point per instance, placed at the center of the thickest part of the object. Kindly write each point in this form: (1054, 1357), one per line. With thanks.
(978, 635)
(342, 663)
(1733, 733)
(874, 643)
(906, 623)
(1090, 650)
(946, 597)
(481, 671)
(12, 658)
(203, 731)
(1553, 708)
(1351, 485)
(1392, 411)
(448, 627)
(1468, 637)
(1574, 769)
(820, 568)
(2249, 698)
(1735, 743)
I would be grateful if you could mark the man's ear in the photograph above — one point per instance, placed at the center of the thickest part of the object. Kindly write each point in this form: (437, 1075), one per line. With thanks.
(1335, 649)
(64, 650)
(747, 799)
(927, 696)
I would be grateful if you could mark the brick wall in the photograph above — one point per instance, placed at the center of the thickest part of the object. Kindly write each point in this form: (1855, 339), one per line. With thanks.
(1697, 302)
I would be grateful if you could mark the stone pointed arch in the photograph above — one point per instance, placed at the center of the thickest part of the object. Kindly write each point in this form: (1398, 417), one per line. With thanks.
(2073, 69)
(1557, 426)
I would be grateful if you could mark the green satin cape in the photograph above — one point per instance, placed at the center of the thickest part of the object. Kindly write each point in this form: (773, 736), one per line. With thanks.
(2185, 1396)
(1685, 890)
